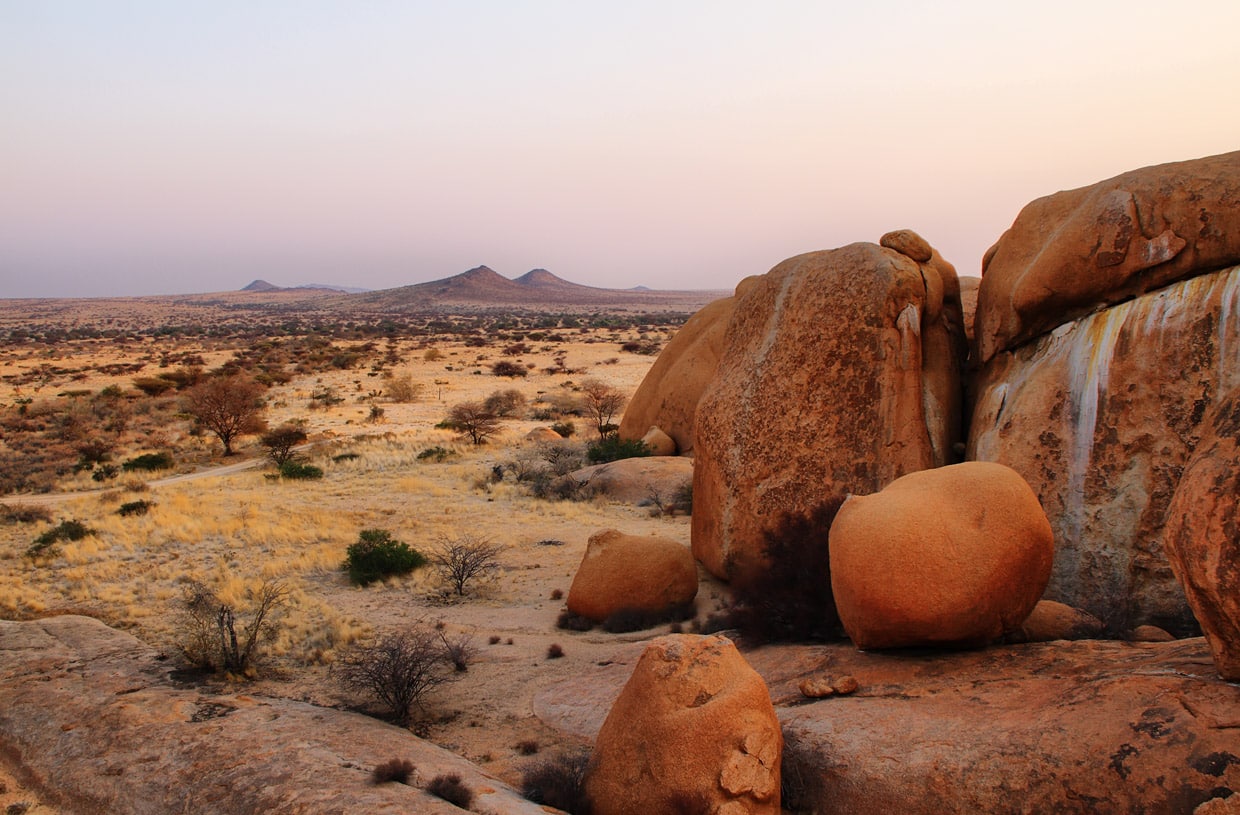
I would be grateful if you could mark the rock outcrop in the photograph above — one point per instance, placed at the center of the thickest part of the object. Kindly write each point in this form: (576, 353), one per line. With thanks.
(97, 720)
(1100, 417)
(693, 730)
(639, 480)
(839, 373)
(631, 572)
(1071, 252)
(1094, 727)
(1203, 533)
(668, 395)
(957, 555)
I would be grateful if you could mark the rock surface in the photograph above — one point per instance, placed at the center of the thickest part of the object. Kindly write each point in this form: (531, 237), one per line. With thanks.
(957, 555)
(1203, 533)
(1068, 253)
(839, 373)
(692, 730)
(659, 443)
(1095, 726)
(668, 395)
(1100, 417)
(97, 720)
(638, 480)
(622, 571)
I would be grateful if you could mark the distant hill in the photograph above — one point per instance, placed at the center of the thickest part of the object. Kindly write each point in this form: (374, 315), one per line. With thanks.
(483, 287)
(263, 286)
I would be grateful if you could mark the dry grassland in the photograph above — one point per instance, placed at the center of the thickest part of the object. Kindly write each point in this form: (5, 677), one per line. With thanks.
(232, 531)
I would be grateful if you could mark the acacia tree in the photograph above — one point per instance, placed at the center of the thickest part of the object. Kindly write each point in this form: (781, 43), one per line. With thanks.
(281, 443)
(460, 561)
(228, 406)
(472, 419)
(602, 402)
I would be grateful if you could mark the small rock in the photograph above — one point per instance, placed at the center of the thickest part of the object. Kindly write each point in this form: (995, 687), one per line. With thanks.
(659, 443)
(816, 688)
(1149, 633)
(846, 685)
(1220, 806)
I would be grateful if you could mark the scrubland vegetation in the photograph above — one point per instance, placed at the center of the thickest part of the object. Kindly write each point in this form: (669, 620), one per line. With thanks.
(412, 525)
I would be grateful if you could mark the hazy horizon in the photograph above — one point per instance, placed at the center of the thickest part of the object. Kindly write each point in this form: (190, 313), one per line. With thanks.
(154, 148)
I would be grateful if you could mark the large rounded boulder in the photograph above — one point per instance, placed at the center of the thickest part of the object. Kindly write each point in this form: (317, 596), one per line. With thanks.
(693, 730)
(952, 556)
(1202, 538)
(632, 573)
(840, 372)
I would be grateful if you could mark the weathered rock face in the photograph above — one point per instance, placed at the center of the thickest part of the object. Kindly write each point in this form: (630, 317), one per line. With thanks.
(839, 373)
(1068, 253)
(1092, 727)
(93, 717)
(1202, 535)
(692, 731)
(622, 571)
(1100, 417)
(955, 555)
(669, 394)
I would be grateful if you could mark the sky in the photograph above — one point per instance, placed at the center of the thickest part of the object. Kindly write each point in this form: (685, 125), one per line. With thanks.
(155, 147)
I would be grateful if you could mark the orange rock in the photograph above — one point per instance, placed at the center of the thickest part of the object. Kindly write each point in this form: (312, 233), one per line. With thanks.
(622, 571)
(1203, 534)
(1150, 633)
(659, 443)
(695, 726)
(1101, 417)
(668, 395)
(1051, 621)
(840, 372)
(956, 555)
(543, 435)
(1070, 252)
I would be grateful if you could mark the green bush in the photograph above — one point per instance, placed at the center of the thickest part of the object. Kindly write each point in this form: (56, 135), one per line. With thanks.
(134, 508)
(64, 531)
(376, 556)
(614, 448)
(149, 462)
(435, 453)
(297, 470)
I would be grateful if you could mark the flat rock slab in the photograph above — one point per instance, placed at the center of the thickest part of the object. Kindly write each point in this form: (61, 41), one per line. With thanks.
(92, 718)
(1093, 726)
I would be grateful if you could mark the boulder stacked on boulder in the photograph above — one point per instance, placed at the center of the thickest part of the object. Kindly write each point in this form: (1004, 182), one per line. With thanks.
(692, 731)
(623, 572)
(839, 373)
(1203, 534)
(952, 556)
(1100, 411)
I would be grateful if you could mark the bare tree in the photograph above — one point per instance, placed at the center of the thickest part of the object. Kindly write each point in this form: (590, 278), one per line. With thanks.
(462, 560)
(228, 406)
(474, 420)
(602, 402)
(281, 441)
(211, 639)
(398, 669)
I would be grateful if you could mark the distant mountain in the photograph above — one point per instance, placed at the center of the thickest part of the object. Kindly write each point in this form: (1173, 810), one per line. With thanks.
(264, 286)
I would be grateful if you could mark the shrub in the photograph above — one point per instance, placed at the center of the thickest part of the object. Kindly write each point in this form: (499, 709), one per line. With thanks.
(472, 419)
(396, 769)
(493, 639)
(465, 559)
(614, 448)
(565, 429)
(345, 457)
(555, 651)
(397, 670)
(221, 636)
(459, 651)
(452, 789)
(509, 369)
(528, 747)
(790, 599)
(559, 783)
(557, 594)
(25, 513)
(148, 462)
(105, 472)
(569, 621)
(64, 531)
(280, 442)
(376, 555)
(153, 385)
(436, 454)
(297, 471)
(625, 620)
(505, 403)
(135, 508)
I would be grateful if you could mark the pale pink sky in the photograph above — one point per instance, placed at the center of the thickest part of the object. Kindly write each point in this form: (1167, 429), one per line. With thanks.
(154, 147)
